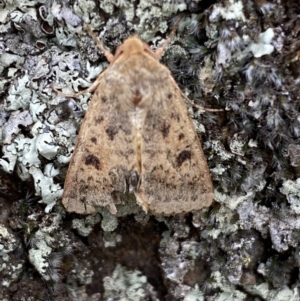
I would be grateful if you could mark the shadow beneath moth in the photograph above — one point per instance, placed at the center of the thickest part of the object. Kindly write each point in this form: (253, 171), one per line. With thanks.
(137, 137)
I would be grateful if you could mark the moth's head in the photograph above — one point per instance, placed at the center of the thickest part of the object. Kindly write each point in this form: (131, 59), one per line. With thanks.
(132, 45)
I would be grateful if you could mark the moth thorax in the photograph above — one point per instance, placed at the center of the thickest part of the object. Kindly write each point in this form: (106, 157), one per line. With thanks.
(133, 45)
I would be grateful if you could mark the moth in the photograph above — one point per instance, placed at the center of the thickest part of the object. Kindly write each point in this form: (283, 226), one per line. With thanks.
(137, 137)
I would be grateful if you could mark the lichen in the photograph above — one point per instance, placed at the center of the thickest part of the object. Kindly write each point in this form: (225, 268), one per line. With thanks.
(11, 267)
(85, 226)
(234, 55)
(126, 284)
(292, 191)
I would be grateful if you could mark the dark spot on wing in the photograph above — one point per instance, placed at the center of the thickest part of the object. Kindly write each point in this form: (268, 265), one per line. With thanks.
(180, 136)
(169, 95)
(92, 160)
(175, 116)
(165, 129)
(104, 99)
(94, 140)
(183, 156)
(99, 119)
(137, 98)
(111, 131)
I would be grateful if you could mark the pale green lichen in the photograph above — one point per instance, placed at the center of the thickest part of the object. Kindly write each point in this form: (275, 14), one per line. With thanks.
(125, 284)
(267, 293)
(194, 295)
(292, 191)
(109, 222)
(232, 202)
(233, 10)
(46, 188)
(9, 158)
(45, 242)
(7, 59)
(224, 223)
(263, 47)
(20, 95)
(111, 239)
(229, 292)
(85, 226)
(10, 266)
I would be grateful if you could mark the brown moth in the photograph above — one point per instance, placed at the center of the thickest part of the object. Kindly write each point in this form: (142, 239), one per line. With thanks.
(138, 137)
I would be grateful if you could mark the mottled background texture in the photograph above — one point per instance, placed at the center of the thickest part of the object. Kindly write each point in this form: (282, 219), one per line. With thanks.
(242, 56)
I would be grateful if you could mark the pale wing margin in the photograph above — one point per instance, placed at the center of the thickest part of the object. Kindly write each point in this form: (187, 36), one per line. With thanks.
(104, 151)
(175, 175)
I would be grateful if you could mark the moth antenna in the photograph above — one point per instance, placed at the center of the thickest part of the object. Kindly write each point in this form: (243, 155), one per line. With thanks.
(109, 56)
(160, 51)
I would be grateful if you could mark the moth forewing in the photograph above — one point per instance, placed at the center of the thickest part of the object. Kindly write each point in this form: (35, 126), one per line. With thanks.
(137, 136)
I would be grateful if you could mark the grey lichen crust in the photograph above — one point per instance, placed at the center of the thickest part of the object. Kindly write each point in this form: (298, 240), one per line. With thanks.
(10, 266)
(127, 285)
(242, 56)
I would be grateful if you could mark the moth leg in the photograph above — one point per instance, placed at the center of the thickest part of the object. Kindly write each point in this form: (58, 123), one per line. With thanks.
(109, 56)
(90, 89)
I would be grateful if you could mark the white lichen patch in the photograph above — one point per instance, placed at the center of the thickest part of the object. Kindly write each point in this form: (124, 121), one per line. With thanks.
(264, 46)
(7, 242)
(194, 295)
(233, 10)
(224, 223)
(30, 105)
(157, 11)
(237, 143)
(111, 239)
(26, 153)
(292, 191)
(232, 202)
(85, 226)
(229, 292)
(46, 188)
(126, 285)
(270, 294)
(37, 256)
(219, 148)
(7, 59)
(62, 12)
(10, 266)
(20, 95)
(9, 158)
(45, 242)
